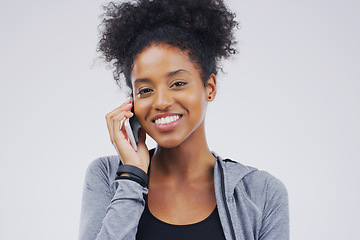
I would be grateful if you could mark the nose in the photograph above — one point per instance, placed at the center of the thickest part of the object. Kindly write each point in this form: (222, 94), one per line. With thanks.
(163, 100)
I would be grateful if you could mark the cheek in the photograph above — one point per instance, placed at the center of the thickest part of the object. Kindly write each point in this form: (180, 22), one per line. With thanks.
(140, 111)
(194, 94)
(195, 99)
(195, 104)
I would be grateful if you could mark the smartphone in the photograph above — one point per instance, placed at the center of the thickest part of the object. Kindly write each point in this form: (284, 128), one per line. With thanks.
(132, 128)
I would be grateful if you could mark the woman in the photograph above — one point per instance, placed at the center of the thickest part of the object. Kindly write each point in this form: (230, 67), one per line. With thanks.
(168, 51)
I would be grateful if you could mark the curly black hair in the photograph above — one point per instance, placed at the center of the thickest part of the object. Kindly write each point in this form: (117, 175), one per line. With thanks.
(203, 28)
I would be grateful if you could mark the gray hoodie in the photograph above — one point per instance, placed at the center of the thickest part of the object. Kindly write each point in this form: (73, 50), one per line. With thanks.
(252, 204)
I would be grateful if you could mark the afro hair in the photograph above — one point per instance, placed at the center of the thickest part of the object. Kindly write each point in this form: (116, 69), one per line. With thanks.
(202, 28)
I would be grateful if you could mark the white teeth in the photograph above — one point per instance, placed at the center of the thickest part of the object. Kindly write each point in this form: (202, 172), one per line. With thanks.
(167, 120)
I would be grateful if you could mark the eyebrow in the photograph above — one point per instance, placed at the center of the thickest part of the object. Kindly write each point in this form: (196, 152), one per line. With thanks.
(170, 74)
(142, 80)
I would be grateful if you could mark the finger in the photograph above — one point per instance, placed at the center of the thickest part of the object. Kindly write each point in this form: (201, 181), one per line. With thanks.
(117, 120)
(118, 127)
(123, 107)
(109, 117)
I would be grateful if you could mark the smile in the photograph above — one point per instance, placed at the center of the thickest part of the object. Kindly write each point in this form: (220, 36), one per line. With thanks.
(167, 120)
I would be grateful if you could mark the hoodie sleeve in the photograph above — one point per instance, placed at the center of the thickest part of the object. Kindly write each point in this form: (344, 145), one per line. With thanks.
(275, 220)
(110, 209)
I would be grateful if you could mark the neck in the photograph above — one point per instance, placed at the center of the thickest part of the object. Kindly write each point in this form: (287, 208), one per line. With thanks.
(192, 160)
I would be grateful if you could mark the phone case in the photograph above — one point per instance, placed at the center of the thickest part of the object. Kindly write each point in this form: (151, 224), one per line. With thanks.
(132, 127)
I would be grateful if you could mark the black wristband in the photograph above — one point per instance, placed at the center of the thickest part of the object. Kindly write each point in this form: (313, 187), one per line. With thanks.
(134, 173)
(138, 180)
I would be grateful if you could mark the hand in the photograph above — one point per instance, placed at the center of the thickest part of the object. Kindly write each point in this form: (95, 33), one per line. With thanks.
(119, 138)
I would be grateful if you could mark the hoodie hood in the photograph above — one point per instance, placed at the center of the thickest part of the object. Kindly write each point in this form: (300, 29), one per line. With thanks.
(227, 175)
(232, 172)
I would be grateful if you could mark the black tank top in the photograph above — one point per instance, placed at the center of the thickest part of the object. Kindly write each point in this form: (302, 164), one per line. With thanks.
(151, 228)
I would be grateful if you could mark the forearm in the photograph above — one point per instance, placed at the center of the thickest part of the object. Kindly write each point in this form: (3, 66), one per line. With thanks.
(124, 212)
(110, 214)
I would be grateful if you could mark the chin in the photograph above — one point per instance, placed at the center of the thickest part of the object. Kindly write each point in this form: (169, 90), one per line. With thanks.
(167, 146)
(168, 143)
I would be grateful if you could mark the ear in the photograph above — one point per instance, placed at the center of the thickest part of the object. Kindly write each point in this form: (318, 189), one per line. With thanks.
(210, 88)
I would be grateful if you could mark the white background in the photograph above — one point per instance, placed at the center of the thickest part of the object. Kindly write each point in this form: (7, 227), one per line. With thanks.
(288, 104)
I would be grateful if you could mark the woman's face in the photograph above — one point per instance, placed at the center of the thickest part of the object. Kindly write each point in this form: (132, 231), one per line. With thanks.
(169, 95)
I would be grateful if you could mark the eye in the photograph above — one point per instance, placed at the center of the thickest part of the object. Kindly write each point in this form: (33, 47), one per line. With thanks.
(179, 84)
(144, 91)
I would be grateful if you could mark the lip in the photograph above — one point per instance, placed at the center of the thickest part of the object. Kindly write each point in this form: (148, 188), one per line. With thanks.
(166, 127)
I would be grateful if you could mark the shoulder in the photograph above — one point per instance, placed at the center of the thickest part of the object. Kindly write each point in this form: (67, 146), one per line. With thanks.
(102, 170)
(251, 178)
(104, 163)
(264, 192)
(265, 200)
(263, 187)
(259, 187)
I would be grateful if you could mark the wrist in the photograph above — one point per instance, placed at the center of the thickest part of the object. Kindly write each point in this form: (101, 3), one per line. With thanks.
(133, 173)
